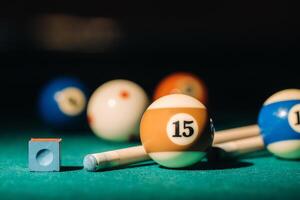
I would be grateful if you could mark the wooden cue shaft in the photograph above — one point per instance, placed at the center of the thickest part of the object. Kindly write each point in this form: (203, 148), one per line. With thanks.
(242, 146)
(120, 157)
(236, 134)
(138, 154)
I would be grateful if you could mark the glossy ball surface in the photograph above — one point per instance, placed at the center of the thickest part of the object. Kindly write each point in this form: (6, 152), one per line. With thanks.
(115, 109)
(182, 83)
(62, 102)
(279, 121)
(176, 131)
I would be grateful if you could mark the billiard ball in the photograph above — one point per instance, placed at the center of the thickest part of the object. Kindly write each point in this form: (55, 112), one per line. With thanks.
(115, 109)
(279, 121)
(182, 83)
(62, 102)
(176, 131)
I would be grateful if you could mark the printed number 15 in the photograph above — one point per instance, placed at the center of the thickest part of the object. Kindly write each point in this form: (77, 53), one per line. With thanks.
(188, 129)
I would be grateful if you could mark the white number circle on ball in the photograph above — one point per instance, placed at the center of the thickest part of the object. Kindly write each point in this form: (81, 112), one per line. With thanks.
(71, 101)
(294, 118)
(182, 129)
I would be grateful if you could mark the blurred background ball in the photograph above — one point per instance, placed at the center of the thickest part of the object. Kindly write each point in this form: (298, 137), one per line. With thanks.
(62, 103)
(115, 109)
(182, 83)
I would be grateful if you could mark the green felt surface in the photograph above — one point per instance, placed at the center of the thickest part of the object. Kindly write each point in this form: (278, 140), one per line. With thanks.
(257, 177)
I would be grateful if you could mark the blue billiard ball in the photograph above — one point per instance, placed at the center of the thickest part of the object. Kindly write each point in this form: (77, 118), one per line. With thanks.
(62, 102)
(279, 121)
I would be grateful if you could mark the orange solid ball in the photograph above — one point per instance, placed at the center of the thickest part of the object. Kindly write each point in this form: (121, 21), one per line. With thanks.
(182, 83)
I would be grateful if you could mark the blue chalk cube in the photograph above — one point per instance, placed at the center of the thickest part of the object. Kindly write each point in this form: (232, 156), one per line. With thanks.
(44, 154)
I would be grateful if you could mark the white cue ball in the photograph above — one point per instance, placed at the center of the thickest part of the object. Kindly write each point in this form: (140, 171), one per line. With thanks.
(115, 109)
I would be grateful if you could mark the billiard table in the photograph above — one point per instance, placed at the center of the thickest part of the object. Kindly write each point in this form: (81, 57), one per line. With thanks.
(254, 176)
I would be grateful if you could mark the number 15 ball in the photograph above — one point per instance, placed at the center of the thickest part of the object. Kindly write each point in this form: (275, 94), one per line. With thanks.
(176, 131)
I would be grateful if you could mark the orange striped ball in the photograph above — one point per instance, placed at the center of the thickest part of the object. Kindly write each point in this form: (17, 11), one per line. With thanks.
(176, 131)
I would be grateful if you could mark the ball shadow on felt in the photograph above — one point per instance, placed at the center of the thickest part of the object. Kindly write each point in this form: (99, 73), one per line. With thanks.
(217, 159)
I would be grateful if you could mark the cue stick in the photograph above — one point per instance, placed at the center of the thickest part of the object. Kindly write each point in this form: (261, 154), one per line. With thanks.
(225, 138)
(242, 146)
(114, 158)
(236, 134)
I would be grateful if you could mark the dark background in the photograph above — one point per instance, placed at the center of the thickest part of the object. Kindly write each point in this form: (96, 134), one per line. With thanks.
(244, 50)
